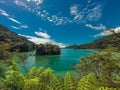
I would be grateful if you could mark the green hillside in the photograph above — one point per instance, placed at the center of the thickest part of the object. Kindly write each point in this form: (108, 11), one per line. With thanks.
(14, 41)
(103, 43)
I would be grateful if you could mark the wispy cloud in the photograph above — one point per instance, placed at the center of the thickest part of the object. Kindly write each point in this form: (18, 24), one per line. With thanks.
(4, 13)
(14, 20)
(104, 31)
(79, 13)
(99, 27)
(36, 1)
(23, 26)
(15, 27)
(37, 40)
(21, 3)
(20, 27)
(42, 34)
(88, 12)
(108, 32)
(75, 12)
(9, 17)
(94, 13)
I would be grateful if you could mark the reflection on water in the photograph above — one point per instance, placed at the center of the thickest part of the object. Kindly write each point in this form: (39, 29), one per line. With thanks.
(59, 63)
(47, 61)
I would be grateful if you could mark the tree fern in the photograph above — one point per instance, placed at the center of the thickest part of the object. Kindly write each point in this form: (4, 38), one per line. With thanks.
(88, 82)
(32, 72)
(14, 80)
(56, 83)
(43, 86)
(31, 84)
(46, 75)
(39, 71)
(69, 82)
(106, 88)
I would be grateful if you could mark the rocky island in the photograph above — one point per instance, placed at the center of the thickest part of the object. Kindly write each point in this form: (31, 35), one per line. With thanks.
(47, 49)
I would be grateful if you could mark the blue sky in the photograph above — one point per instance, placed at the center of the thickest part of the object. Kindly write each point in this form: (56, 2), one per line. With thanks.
(61, 22)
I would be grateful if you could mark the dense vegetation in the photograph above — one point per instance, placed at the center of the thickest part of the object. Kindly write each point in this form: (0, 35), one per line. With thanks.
(104, 65)
(47, 49)
(99, 71)
(4, 53)
(103, 43)
(14, 41)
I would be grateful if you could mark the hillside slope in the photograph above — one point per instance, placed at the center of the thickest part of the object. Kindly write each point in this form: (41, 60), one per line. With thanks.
(112, 40)
(14, 41)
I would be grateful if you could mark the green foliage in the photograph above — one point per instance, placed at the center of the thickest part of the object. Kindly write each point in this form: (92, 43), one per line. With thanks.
(4, 53)
(56, 83)
(69, 82)
(32, 73)
(104, 66)
(106, 88)
(2, 69)
(14, 80)
(14, 66)
(31, 84)
(45, 79)
(45, 76)
(47, 49)
(88, 82)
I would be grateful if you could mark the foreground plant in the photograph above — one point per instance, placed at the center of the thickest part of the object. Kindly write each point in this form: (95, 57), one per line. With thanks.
(45, 79)
(104, 65)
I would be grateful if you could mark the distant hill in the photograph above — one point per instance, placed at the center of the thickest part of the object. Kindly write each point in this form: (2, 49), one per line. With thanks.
(111, 40)
(14, 41)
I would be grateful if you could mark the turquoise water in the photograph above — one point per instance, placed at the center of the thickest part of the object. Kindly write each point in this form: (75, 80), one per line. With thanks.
(59, 63)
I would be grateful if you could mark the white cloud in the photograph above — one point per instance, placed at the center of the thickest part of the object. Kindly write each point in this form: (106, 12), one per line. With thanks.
(20, 27)
(86, 12)
(104, 33)
(100, 27)
(14, 20)
(94, 13)
(36, 1)
(42, 34)
(37, 40)
(55, 19)
(108, 32)
(117, 30)
(15, 27)
(23, 26)
(75, 12)
(4, 13)
(21, 3)
(82, 13)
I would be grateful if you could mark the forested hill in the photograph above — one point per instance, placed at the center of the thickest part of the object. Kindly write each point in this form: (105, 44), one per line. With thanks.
(112, 40)
(14, 41)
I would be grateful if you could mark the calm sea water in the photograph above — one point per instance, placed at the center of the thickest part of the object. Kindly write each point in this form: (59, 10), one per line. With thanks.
(59, 63)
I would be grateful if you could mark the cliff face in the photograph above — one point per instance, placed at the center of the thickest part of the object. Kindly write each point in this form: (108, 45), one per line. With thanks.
(14, 41)
(112, 40)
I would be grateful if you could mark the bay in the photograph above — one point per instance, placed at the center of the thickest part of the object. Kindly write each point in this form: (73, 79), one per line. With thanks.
(59, 63)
